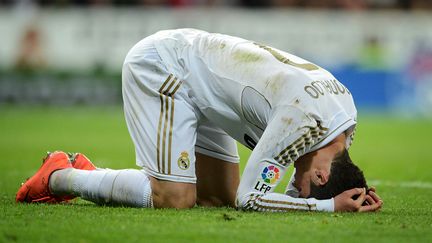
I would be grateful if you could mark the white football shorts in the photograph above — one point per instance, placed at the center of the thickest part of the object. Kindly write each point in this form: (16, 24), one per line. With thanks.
(166, 127)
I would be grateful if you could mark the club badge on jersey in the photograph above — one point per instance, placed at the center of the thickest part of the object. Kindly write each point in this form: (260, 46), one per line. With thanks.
(183, 161)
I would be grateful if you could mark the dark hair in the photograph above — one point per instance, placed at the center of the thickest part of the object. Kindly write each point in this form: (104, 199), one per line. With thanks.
(344, 175)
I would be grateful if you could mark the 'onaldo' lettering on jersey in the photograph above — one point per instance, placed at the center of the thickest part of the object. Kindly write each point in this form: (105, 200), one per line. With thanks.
(320, 87)
(316, 88)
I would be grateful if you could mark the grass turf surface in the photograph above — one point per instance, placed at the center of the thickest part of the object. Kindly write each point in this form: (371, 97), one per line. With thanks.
(389, 149)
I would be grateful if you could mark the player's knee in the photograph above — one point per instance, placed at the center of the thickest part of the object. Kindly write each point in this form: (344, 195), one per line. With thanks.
(173, 195)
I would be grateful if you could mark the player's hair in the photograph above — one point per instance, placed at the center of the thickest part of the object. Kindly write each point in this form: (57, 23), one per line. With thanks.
(344, 175)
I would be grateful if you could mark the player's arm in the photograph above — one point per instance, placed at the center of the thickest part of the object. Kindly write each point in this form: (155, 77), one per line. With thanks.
(256, 191)
(284, 140)
(266, 168)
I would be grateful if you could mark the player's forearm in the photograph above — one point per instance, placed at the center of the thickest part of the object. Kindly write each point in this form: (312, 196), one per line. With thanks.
(277, 202)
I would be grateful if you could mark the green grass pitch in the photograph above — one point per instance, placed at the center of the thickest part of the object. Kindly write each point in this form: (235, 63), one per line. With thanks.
(394, 153)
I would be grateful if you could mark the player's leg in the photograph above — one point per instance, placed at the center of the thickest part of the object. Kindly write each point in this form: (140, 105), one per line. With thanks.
(168, 194)
(162, 123)
(163, 127)
(57, 180)
(121, 187)
(127, 187)
(217, 167)
(217, 181)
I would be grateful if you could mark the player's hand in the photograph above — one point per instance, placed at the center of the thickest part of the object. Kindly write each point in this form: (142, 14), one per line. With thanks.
(344, 202)
(373, 202)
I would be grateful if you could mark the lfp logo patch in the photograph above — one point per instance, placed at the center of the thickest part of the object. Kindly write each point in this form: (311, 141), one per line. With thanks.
(270, 174)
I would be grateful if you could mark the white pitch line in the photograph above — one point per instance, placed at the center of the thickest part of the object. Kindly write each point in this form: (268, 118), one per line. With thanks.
(407, 184)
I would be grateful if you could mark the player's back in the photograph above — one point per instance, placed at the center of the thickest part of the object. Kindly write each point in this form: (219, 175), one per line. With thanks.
(233, 60)
(239, 84)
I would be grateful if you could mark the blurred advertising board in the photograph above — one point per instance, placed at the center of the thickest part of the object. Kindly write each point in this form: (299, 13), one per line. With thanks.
(384, 57)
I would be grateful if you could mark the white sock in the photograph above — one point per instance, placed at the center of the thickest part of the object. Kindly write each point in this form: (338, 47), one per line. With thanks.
(113, 187)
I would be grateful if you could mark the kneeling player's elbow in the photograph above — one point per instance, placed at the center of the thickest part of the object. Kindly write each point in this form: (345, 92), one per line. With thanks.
(241, 201)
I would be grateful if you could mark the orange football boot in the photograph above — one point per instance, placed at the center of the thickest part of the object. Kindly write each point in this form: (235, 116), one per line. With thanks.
(80, 161)
(36, 189)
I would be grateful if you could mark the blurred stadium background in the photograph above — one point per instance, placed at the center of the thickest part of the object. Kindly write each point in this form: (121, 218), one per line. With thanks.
(60, 88)
(66, 52)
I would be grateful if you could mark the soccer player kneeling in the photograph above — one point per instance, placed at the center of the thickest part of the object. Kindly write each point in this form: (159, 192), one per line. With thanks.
(188, 97)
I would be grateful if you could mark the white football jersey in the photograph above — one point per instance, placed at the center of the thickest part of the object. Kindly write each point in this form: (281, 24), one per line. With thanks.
(273, 102)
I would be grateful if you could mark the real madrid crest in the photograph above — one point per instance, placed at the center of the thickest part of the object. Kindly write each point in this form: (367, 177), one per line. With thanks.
(183, 161)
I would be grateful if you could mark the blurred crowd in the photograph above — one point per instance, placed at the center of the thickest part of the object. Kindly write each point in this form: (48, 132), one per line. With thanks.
(313, 4)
